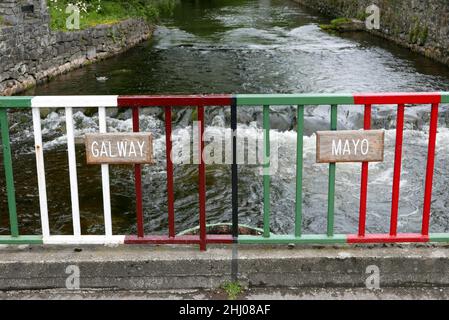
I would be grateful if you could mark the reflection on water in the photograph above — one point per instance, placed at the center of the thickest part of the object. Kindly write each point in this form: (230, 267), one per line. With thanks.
(239, 46)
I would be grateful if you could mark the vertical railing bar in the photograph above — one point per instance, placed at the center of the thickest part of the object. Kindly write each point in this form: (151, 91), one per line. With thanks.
(170, 192)
(299, 169)
(397, 170)
(331, 187)
(7, 163)
(40, 166)
(234, 169)
(364, 178)
(202, 179)
(72, 172)
(430, 169)
(105, 179)
(138, 181)
(266, 171)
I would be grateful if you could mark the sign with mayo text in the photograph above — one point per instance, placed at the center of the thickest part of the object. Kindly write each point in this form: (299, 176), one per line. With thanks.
(119, 148)
(350, 146)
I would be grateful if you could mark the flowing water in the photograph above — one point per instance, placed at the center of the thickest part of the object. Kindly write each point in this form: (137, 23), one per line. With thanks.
(239, 46)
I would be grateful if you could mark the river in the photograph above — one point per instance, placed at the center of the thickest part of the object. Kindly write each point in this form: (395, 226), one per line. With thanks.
(240, 46)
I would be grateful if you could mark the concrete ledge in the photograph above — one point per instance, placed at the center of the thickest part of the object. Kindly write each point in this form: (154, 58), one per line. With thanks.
(184, 267)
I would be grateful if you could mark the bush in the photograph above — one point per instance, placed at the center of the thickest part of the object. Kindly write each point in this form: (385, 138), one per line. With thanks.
(94, 12)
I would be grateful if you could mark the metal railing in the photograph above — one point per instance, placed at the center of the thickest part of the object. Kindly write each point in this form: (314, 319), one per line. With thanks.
(401, 100)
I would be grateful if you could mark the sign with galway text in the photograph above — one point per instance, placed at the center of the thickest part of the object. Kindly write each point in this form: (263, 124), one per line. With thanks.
(350, 146)
(119, 148)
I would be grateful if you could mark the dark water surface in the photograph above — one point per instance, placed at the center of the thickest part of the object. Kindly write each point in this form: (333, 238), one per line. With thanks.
(236, 46)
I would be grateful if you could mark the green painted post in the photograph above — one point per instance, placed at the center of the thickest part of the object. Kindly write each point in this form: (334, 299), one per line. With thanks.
(299, 165)
(266, 171)
(7, 162)
(331, 189)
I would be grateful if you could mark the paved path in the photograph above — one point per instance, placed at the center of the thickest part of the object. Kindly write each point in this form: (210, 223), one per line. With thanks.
(251, 294)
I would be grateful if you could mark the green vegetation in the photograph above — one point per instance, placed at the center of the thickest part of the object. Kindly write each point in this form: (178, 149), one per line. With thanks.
(362, 15)
(4, 22)
(336, 24)
(418, 34)
(343, 24)
(232, 289)
(95, 12)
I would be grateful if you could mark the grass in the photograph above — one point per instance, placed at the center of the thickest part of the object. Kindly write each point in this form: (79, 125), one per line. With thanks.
(335, 24)
(3, 22)
(232, 289)
(95, 12)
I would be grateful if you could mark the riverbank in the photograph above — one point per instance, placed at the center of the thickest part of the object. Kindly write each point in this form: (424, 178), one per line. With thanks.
(32, 53)
(422, 26)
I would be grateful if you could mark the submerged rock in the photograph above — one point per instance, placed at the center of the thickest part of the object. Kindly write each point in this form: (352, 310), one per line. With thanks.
(344, 25)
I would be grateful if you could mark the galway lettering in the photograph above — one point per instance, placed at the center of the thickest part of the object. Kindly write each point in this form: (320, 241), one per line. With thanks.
(121, 149)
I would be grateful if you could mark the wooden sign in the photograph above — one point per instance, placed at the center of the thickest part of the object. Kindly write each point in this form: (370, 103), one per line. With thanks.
(350, 146)
(119, 148)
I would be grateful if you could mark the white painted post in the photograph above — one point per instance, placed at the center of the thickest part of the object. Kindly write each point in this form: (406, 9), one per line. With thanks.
(105, 179)
(72, 172)
(41, 172)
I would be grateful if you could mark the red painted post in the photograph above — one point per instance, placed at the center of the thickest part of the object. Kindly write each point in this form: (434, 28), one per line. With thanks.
(170, 193)
(430, 169)
(202, 179)
(364, 179)
(397, 170)
(138, 180)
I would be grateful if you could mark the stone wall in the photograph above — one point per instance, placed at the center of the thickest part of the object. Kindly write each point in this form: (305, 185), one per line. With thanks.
(31, 53)
(15, 12)
(421, 25)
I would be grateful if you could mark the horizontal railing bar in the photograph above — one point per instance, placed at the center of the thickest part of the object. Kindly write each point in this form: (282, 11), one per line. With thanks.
(23, 239)
(185, 239)
(243, 239)
(223, 99)
(398, 98)
(85, 239)
(294, 99)
(173, 101)
(388, 238)
(444, 97)
(15, 102)
(74, 101)
(439, 237)
(287, 239)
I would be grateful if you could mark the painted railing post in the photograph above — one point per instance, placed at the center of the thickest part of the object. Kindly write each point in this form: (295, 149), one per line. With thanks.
(40, 166)
(331, 187)
(299, 169)
(430, 169)
(364, 178)
(7, 162)
(234, 173)
(105, 179)
(202, 178)
(72, 172)
(266, 171)
(397, 170)
(169, 162)
(138, 181)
